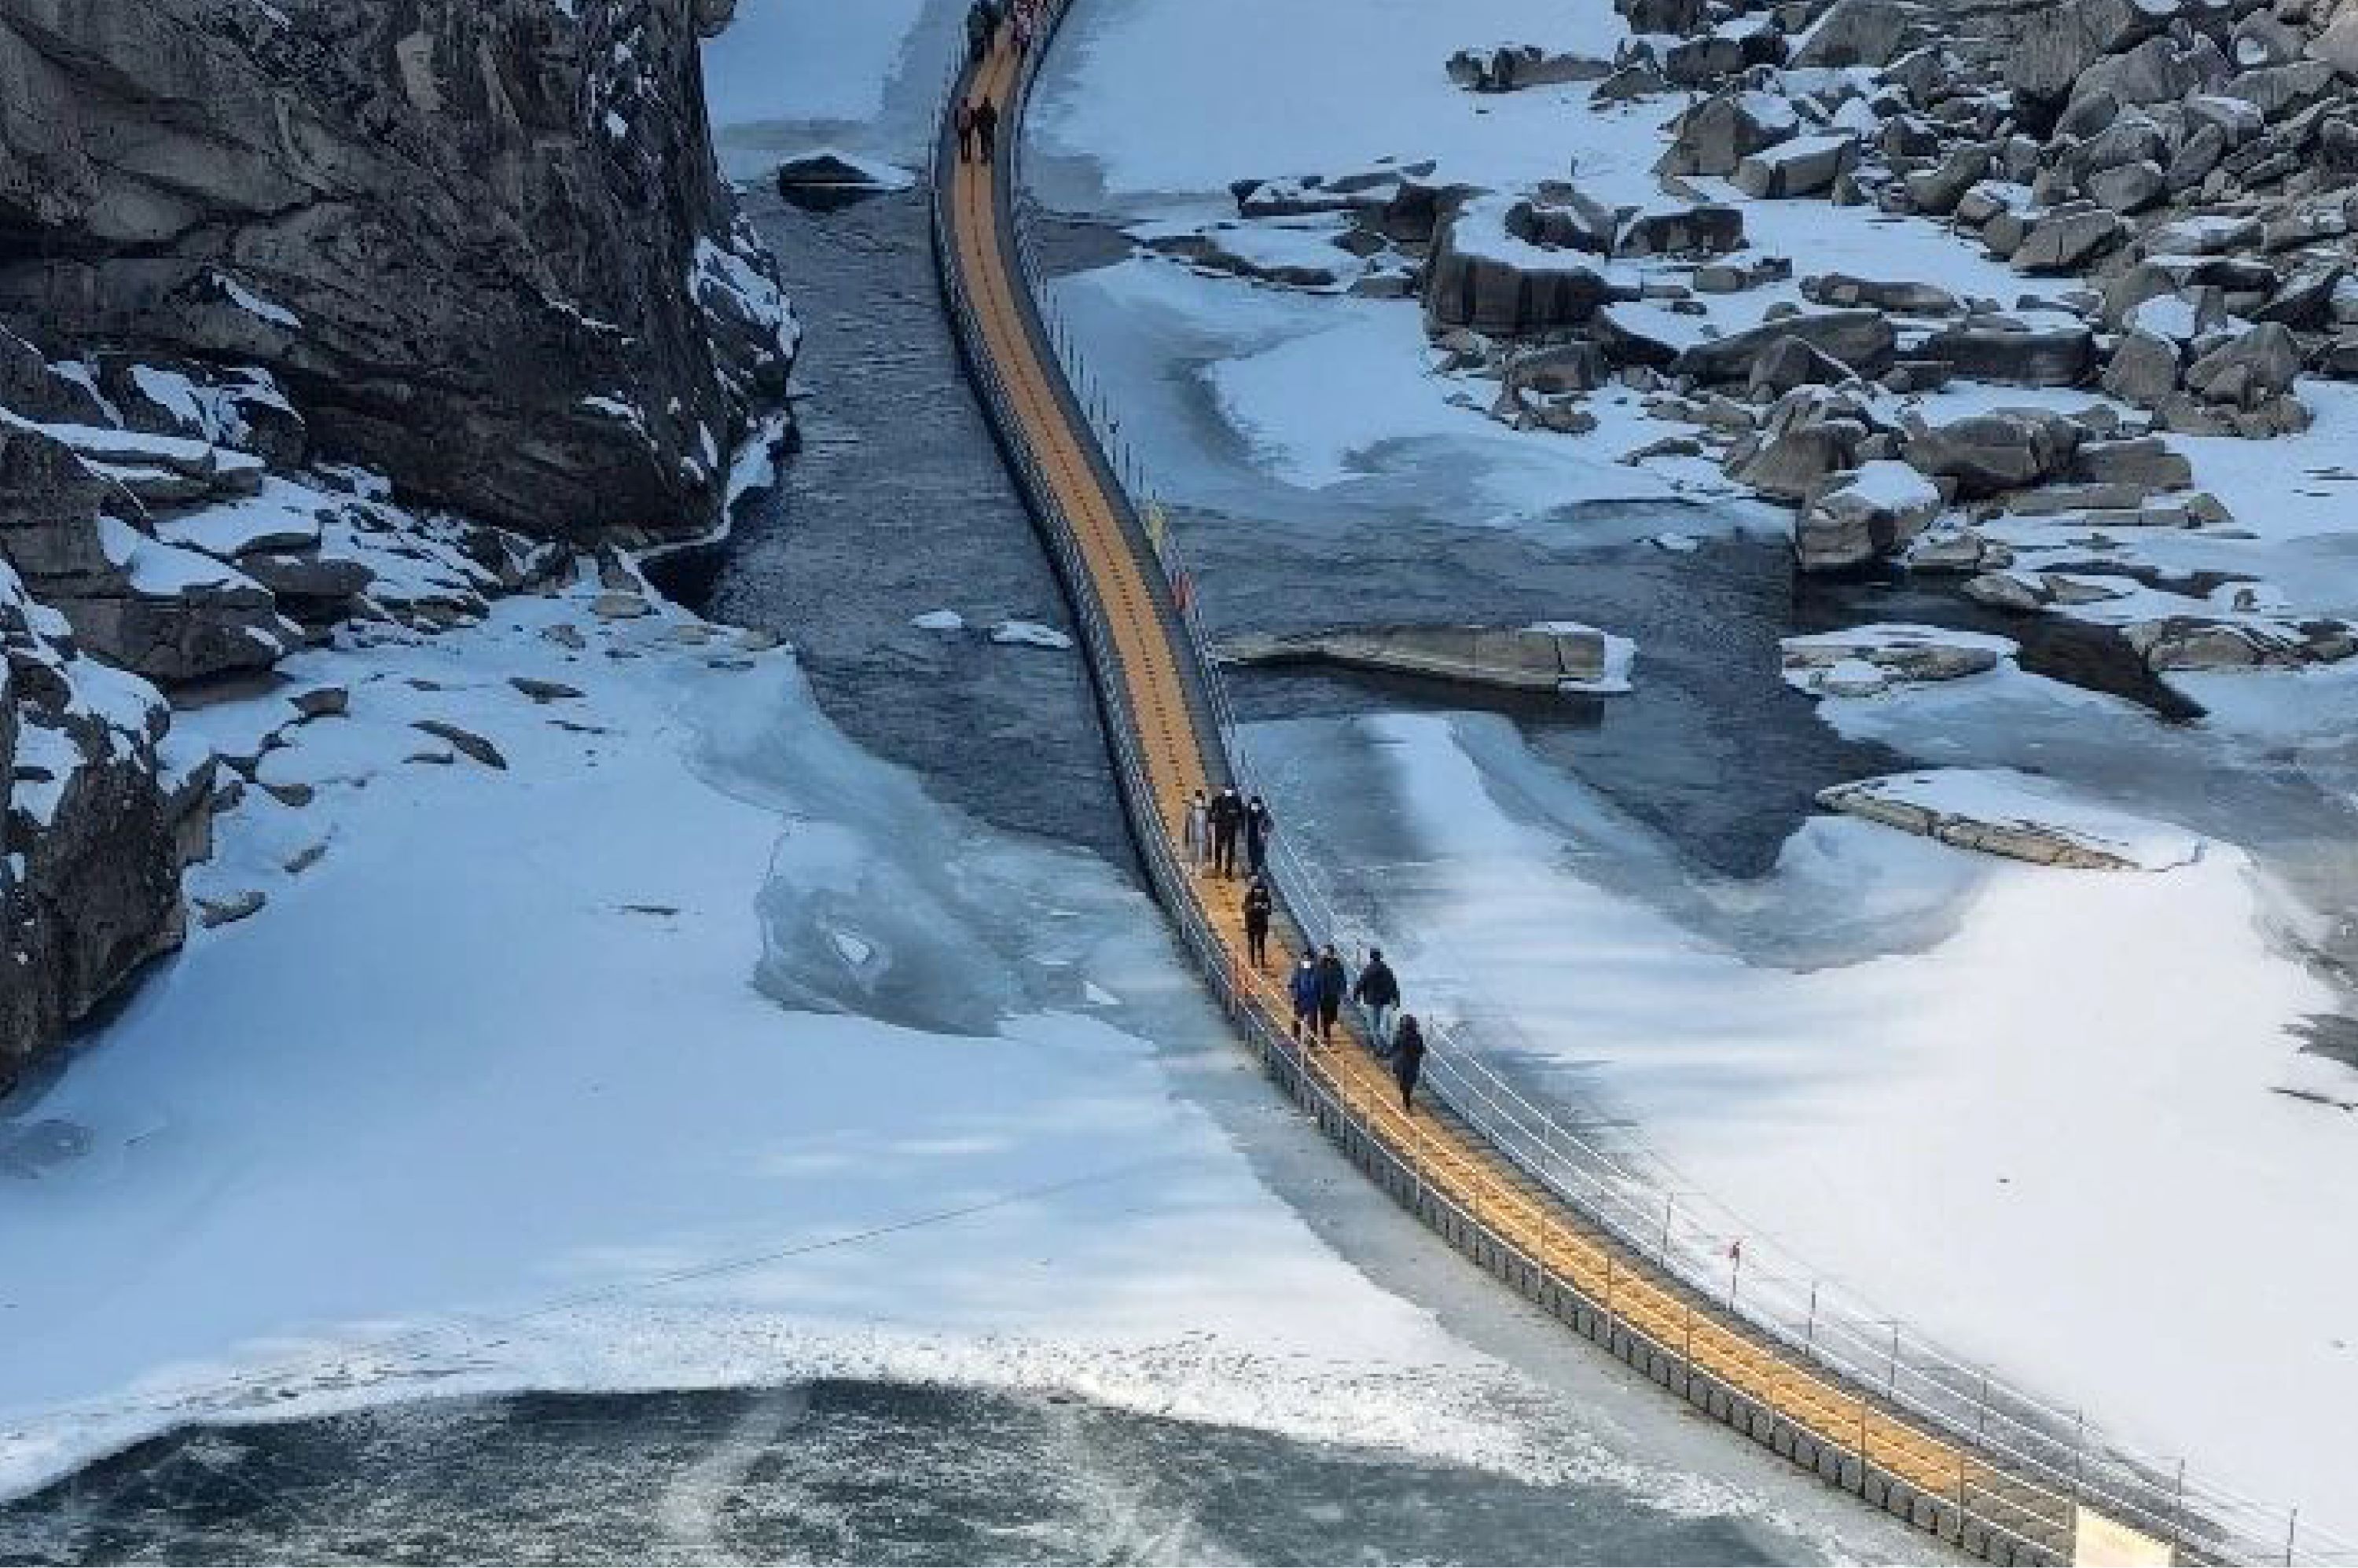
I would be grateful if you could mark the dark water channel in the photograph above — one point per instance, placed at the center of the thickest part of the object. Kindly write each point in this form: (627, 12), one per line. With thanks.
(828, 1472)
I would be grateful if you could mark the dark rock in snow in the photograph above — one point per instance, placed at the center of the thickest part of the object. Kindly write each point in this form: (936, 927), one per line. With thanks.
(2050, 356)
(1863, 339)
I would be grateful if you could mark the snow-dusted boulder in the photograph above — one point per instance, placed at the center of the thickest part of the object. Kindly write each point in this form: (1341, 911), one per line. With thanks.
(1484, 276)
(2001, 812)
(1868, 513)
(1868, 661)
(98, 816)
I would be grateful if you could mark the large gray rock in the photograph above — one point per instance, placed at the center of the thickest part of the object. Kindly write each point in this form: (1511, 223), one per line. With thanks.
(1863, 339)
(1900, 297)
(1547, 658)
(2156, 72)
(1806, 166)
(93, 833)
(1709, 229)
(2068, 239)
(2148, 463)
(1484, 276)
(2059, 44)
(1721, 131)
(2279, 90)
(1855, 32)
(2129, 187)
(2019, 356)
(1808, 437)
(2249, 372)
(1938, 189)
(443, 225)
(1864, 516)
(1988, 454)
(1507, 68)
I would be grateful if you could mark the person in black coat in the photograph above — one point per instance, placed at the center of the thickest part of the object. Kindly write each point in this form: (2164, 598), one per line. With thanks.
(1256, 911)
(1334, 982)
(1228, 817)
(1260, 823)
(1408, 1060)
(1378, 991)
(986, 129)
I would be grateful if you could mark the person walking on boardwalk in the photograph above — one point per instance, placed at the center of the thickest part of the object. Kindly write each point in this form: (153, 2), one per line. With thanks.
(1227, 816)
(1256, 911)
(981, 22)
(964, 120)
(985, 128)
(1195, 833)
(1260, 823)
(1304, 988)
(1408, 1060)
(1334, 983)
(1378, 991)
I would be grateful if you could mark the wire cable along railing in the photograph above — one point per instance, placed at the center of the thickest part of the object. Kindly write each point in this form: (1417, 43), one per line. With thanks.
(1657, 1267)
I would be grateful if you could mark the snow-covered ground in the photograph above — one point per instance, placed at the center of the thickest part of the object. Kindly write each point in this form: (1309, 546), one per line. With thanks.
(491, 1092)
(630, 1030)
(2019, 1133)
(2035, 1112)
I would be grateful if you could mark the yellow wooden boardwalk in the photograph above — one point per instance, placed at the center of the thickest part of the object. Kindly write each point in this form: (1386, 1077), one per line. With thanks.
(1438, 1163)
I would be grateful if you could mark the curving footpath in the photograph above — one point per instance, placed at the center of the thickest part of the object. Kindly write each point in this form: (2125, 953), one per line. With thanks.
(1162, 715)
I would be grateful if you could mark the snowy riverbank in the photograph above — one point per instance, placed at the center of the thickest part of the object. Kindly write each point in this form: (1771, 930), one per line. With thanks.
(2062, 1088)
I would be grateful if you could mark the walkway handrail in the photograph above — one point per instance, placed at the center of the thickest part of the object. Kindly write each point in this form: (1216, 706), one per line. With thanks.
(2041, 1452)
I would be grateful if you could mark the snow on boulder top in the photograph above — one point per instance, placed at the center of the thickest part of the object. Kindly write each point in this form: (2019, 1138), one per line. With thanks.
(2002, 812)
(1867, 661)
(1030, 634)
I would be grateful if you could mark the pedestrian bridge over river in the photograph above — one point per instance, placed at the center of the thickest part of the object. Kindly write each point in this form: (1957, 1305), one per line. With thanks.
(1481, 1166)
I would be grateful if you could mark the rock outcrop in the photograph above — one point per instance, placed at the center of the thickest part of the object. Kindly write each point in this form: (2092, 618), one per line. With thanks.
(482, 244)
(277, 284)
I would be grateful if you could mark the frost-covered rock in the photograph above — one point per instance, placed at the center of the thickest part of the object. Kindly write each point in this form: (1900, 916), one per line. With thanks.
(1867, 513)
(1484, 275)
(1867, 661)
(1985, 454)
(97, 818)
(2001, 812)
(1556, 656)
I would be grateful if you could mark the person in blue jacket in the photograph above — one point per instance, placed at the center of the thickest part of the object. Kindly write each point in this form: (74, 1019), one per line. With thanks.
(1304, 988)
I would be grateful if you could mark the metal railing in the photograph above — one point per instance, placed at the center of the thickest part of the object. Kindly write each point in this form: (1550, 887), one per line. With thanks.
(2038, 1462)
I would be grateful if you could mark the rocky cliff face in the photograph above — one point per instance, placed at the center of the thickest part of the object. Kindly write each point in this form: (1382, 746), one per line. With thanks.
(481, 243)
(277, 281)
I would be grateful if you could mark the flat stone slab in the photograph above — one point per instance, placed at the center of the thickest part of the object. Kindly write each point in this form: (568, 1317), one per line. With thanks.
(2000, 812)
(1551, 657)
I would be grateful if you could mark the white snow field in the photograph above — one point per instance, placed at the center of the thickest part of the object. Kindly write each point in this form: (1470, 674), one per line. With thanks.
(487, 1094)
(573, 1069)
(2048, 1140)
(2035, 1112)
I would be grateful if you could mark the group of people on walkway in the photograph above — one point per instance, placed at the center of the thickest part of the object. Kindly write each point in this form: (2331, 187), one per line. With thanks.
(986, 21)
(1211, 828)
(977, 129)
(1017, 21)
(1215, 824)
